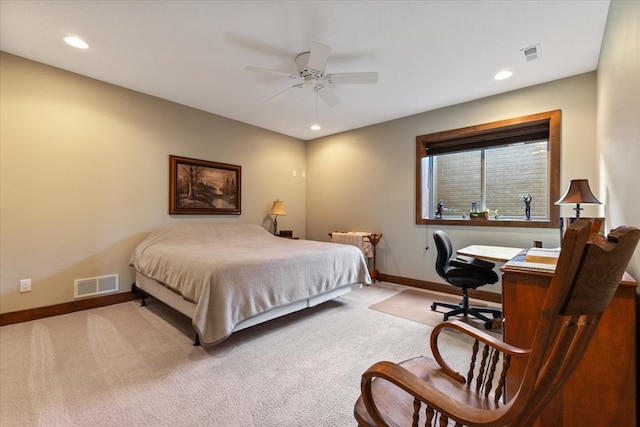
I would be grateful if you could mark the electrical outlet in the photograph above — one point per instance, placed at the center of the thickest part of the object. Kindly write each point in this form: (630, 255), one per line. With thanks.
(25, 285)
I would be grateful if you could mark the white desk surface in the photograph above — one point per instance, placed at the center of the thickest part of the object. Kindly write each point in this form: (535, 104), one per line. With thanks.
(491, 253)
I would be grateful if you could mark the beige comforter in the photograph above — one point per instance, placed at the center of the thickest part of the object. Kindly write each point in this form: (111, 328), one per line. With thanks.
(233, 272)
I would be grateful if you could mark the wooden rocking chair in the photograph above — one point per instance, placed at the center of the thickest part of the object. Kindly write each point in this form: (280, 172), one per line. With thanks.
(428, 392)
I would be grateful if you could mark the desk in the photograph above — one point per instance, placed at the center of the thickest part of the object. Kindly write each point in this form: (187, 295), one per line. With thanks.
(602, 390)
(490, 253)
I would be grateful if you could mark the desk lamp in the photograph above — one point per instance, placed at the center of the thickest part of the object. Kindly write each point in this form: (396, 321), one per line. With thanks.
(277, 209)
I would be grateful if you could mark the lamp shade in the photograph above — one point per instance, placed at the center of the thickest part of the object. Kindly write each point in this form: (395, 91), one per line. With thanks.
(578, 192)
(277, 208)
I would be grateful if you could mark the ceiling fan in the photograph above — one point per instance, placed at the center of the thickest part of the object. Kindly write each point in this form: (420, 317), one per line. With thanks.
(311, 74)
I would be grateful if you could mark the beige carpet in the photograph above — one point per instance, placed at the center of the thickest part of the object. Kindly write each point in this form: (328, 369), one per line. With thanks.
(126, 365)
(416, 305)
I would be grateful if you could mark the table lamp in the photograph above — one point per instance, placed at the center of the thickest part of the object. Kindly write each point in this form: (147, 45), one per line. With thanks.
(578, 192)
(277, 209)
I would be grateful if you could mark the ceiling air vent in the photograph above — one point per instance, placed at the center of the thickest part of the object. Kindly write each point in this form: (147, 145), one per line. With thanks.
(531, 53)
(95, 285)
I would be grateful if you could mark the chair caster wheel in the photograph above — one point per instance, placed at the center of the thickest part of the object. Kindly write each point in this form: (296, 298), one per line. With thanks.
(497, 315)
(433, 307)
(488, 325)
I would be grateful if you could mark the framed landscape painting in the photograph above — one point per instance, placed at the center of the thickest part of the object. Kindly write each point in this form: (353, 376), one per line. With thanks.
(201, 187)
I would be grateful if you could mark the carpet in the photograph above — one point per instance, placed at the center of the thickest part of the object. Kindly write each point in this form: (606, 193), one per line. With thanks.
(416, 306)
(126, 365)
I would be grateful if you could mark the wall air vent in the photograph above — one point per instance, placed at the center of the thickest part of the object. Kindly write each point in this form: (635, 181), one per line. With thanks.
(95, 285)
(531, 52)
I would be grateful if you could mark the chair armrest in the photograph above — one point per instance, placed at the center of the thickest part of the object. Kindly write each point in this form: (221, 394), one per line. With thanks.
(425, 390)
(422, 391)
(471, 263)
(473, 333)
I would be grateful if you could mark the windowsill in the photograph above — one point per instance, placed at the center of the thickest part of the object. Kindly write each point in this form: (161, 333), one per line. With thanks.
(532, 223)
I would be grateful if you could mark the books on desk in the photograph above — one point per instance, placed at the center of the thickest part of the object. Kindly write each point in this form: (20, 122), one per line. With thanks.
(536, 259)
(544, 256)
(530, 266)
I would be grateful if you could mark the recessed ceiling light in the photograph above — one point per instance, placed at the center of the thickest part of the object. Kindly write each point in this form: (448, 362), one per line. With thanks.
(504, 74)
(76, 42)
(315, 127)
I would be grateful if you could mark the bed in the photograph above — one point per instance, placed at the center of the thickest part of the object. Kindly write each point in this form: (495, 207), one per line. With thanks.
(227, 277)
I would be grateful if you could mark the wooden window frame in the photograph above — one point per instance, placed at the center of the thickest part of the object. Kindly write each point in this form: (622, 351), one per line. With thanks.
(486, 135)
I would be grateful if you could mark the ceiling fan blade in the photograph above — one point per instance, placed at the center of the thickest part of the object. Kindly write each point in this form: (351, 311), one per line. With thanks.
(284, 93)
(318, 56)
(328, 96)
(269, 71)
(352, 78)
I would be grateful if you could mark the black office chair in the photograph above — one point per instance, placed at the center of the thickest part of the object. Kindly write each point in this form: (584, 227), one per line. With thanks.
(465, 273)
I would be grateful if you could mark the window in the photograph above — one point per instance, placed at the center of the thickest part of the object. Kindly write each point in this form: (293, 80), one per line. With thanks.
(491, 167)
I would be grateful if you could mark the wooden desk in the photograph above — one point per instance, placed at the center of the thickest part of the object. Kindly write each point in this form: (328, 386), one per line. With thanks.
(490, 253)
(602, 390)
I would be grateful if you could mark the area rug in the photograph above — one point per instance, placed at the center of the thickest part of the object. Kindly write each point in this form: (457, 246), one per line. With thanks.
(416, 306)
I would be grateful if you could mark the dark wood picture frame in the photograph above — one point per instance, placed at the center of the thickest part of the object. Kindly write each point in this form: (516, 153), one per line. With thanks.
(201, 187)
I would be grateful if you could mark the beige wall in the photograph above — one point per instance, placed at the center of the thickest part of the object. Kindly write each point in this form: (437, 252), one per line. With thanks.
(84, 168)
(365, 179)
(619, 119)
(84, 176)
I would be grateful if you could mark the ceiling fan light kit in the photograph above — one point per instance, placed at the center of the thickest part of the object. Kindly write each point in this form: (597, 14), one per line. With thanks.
(310, 66)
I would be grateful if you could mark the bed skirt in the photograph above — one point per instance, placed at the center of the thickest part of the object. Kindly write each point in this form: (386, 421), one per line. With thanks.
(178, 303)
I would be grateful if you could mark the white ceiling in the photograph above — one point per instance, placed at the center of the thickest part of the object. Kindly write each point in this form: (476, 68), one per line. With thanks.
(429, 54)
